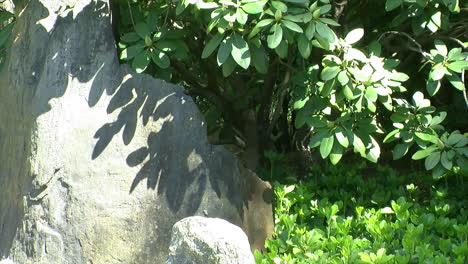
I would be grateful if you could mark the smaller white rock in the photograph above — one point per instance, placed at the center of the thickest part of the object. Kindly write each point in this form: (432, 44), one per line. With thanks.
(202, 240)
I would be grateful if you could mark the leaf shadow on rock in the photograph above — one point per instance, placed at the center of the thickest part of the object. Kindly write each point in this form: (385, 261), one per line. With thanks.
(46, 59)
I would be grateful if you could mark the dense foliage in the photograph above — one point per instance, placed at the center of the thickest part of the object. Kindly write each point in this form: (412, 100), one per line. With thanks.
(350, 214)
(275, 75)
(298, 75)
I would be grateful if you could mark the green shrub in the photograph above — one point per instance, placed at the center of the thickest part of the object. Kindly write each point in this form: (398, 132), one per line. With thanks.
(346, 216)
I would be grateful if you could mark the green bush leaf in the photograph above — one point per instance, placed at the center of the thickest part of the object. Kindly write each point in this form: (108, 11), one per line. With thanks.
(134, 50)
(241, 16)
(142, 29)
(282, 49)
(432, 160)
(329, 73)
(329, 21)
(328, 87)
(343, 78)
(161, 59)
(354, 36)
(326, 146)
(359, 146)
(427, 137)
(304, 46)
(228, 67)
(456, 82)
(336, 153)
(261, 24)
(432, 87)
(458, 66)
(421, 154)
(5, 33)
(391, 136)
(445, 161)
(275, 39)
(400, 150)
(374, 152)
(392, 4)
(310, 31)
(212, 45)
(253, 8)
(341, 137)
(438, 119)
(292, 26)
(130, 37)
(240, 51)
(259, 59)
(224, 50)
(440, 47)
(141, 61)
(325, 32)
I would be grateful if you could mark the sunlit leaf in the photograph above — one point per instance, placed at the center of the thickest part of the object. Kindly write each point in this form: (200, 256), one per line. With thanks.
(354, 36)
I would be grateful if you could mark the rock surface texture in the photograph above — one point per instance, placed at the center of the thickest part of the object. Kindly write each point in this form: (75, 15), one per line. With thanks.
(201, 240)
(98, 163)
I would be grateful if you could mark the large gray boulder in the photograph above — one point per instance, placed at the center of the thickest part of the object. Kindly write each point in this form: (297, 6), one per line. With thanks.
(201, 240)
(98, 163)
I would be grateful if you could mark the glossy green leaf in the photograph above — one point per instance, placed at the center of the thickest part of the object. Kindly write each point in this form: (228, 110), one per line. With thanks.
(341, 137)
(432, 87)
(374, 152)
(279, 6)
(441, 48)
(275, 38)
(392, 4)
(329, 73)
(399, 151)
(212, 45)
(432, 160)
(458, 66)
(437, 73)
(134, 50)
(328, 87)
(359, 146)
(228, 67)
(325, 32)
(427, 137)
(329, 21)
(304, 46)
(317, 138)
(160, 59)
(445, 161)
(142, 29)
(241, 16)
(354, 36)
(454, 138)
(326, 146)
(421, 154)
(343, 78)
(282, 49)
(310, 31)
(391, 136)
(261, 24)
(348, 93)
(292, 26)
(259, 59)
(456, 82)
(129, 37)
(240, 51)
(224, 50)
(336, 153)
(253, 8)
(141, 61)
